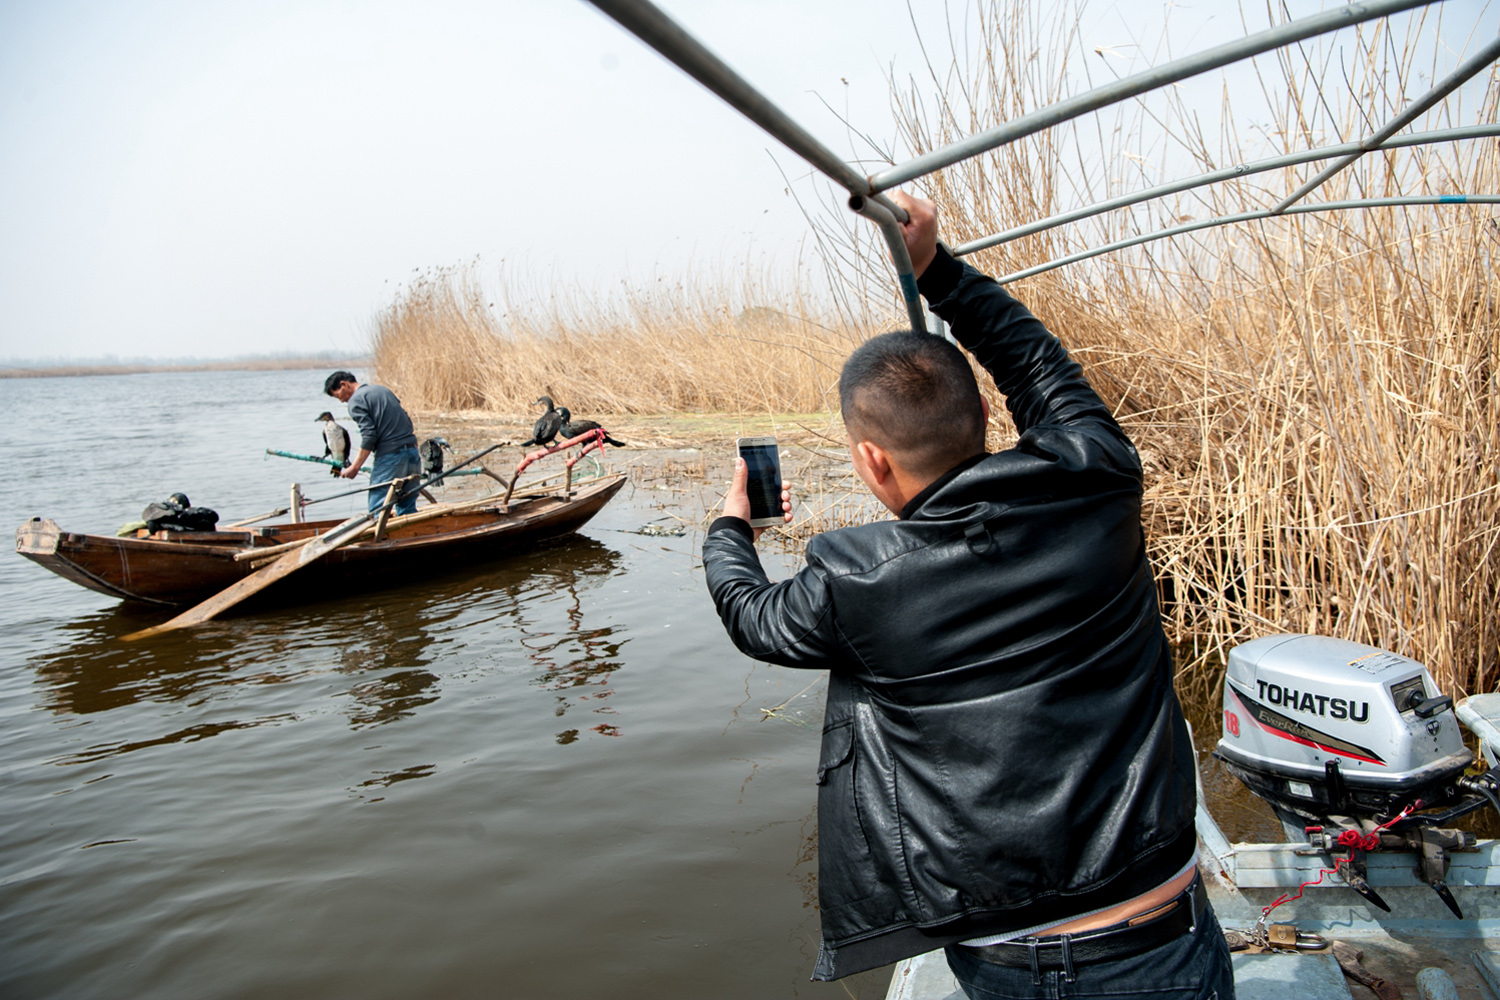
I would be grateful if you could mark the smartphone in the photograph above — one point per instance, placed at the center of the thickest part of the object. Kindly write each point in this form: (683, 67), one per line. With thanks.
(764, 486)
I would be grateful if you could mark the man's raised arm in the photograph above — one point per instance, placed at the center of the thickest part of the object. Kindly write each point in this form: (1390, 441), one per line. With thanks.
(1040, 382)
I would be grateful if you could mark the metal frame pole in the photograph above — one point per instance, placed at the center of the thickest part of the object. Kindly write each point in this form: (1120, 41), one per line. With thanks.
(890, 228)
(1132, 86)
(656, 29)
(1226, 220)
(648, 23)
(1456, 79)
(1215, 176)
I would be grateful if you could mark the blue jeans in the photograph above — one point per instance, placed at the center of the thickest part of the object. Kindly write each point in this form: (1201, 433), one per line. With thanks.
(1194, 966)
(393, 465)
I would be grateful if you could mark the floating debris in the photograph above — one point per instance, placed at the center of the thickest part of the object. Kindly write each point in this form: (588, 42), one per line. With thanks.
(666, 530)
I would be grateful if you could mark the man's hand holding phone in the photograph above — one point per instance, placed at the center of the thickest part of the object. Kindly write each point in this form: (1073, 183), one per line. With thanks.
(764, 481)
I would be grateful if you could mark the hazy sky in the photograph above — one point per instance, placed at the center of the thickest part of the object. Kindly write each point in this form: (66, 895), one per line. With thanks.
(218, 179)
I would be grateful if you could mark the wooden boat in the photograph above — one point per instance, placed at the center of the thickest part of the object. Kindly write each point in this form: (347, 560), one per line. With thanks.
(184, 567)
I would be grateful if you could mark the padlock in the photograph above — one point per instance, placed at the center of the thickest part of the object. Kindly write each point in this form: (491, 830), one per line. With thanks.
(1288, 936)
(1282, 935)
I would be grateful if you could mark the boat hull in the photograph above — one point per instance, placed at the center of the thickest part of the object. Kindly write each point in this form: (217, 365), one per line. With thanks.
(170, 568)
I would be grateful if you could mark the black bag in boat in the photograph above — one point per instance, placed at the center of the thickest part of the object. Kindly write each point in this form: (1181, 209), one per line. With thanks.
(177, 514)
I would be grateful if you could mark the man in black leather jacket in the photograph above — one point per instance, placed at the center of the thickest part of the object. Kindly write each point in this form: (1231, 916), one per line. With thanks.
(1005, 768)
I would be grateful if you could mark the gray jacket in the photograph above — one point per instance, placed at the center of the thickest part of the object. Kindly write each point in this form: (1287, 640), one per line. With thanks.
(383, 424)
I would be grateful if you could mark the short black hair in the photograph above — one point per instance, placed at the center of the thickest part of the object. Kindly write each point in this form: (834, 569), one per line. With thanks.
(337, 379)
(915, 395)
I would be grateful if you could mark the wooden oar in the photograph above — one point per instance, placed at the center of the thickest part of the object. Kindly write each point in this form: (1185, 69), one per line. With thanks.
(261, 578)
(286, 565)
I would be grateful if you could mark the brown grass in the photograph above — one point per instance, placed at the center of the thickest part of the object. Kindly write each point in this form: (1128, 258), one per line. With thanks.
(445, 344)
(1314, 397)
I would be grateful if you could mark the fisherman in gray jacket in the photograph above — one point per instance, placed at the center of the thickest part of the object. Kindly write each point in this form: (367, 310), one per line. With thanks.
(385, 430)
(1005, 769)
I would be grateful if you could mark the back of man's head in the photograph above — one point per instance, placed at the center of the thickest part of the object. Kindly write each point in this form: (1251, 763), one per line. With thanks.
(914, 395)
(337, 379)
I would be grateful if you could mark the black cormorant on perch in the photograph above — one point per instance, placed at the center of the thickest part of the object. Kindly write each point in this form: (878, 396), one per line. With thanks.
(431, 452)
(544, 431)
(335, 441)
(572, 428)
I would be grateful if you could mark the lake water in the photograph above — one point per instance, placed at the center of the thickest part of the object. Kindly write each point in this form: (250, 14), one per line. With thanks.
(548, 777)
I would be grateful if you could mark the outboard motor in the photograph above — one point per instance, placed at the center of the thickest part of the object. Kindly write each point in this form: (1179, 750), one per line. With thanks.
(1354, 749)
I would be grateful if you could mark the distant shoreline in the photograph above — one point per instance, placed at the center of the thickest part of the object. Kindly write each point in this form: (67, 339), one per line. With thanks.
(144, 367)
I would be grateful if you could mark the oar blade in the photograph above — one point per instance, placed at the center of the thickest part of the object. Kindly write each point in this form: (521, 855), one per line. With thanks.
(259, 580)
(284, 565)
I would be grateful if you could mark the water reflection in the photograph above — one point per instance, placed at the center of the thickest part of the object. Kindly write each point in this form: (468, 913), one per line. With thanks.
(385, 779)
(190, 734)
(1241, 815)
(396, 648)
(92, 670)
(394, 696)
(245, 845)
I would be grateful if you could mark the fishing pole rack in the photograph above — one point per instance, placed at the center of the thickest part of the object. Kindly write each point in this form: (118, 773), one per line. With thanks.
(593, 439)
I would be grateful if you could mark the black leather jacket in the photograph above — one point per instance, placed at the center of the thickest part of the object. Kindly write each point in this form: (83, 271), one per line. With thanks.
(1002, 746)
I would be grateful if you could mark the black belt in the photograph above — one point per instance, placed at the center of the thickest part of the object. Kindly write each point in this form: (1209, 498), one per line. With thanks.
(1063, 951)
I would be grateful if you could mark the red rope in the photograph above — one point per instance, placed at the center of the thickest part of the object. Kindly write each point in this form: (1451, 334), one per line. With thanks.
(1352, 839)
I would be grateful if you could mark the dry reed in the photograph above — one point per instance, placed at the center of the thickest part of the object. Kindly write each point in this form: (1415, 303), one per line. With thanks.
(1314, 397)
(444, 344)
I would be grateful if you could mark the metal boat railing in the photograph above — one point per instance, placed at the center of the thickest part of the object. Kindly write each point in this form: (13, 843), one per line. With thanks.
(655, 28)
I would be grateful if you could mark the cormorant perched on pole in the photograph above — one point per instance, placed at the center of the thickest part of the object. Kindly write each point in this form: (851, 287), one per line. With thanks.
(335, 441)
(544, 431)
(431, 453)
(572, 428)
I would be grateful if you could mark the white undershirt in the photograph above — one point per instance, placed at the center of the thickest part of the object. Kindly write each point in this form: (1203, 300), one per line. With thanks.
(1026, 932)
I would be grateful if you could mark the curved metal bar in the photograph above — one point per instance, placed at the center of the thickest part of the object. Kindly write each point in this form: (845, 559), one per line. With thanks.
(656, 29)
(905, 273)
(648, 23)
(1215, 176)
(1226, 220)
(1454, 80)
(1140, 83)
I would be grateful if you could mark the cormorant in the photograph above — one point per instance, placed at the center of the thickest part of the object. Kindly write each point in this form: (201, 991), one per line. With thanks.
(544, 431)
(572, 428)
(431, 452)
(335, 442)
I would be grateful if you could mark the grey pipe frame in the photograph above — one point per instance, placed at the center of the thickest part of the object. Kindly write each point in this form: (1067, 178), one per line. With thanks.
(1270, 213)
(653, 27)
(1454, 80)
(1382, 138)
(1144, 82)
(1224, 174)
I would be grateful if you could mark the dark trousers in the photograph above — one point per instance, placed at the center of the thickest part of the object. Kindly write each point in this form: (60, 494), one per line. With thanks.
(1192, 966)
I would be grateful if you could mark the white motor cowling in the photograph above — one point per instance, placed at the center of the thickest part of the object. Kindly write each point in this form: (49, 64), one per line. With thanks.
(1322, 727)
(1355, 751)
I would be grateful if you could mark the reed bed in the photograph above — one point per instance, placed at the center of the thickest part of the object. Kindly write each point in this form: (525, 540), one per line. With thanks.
(1314, 397)
(725, 345)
